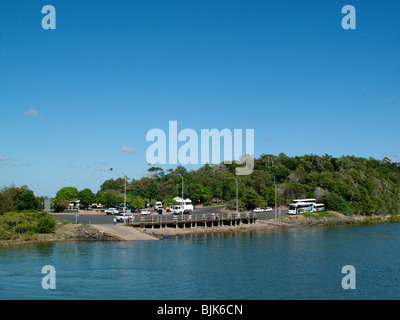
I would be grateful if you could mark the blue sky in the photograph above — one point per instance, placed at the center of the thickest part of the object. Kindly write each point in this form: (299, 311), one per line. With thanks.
(83, 96)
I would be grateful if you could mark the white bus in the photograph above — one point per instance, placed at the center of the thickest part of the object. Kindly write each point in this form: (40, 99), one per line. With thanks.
(319, 207)
(300, 207)
(305, 200)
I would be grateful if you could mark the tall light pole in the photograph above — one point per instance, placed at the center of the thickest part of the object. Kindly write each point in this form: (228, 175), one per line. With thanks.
(237, 206)
(178, 174)
(275, 192)
(125, 176)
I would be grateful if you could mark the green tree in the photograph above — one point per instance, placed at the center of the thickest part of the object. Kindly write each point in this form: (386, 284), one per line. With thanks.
(68, 193)
(109, 197)
(59, 205)
(26, 200)
(115, 185)
(14, 198)
(86, 197)
(337, 203)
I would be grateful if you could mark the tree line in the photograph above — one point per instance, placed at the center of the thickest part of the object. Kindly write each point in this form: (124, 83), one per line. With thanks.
(348, 184)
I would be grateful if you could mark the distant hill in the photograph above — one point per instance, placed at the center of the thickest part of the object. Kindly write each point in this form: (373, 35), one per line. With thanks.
(347, 184)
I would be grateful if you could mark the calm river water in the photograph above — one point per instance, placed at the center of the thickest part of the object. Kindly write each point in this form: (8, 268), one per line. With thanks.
(304, 263)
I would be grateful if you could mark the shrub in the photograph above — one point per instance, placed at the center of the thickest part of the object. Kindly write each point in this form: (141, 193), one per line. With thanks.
(13, 224)
(45, 224)
(4, 234)
(372, 220)
(394, 219)
(337, 203)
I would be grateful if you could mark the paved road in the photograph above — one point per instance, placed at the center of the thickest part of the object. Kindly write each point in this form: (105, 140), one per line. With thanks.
(102, 219)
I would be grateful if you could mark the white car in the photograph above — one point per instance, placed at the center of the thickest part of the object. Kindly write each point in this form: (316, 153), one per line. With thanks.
(267, 209)
(178, 209)
(111, 211)
(258, 210)
(145, 211)
(123, 217)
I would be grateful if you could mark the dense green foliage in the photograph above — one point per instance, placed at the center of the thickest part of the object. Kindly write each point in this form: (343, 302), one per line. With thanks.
(17, 199)
(15, 224)
(68, 193)
(347, 184)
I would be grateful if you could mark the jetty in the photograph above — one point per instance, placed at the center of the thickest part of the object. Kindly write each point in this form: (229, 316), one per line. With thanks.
(193, 220)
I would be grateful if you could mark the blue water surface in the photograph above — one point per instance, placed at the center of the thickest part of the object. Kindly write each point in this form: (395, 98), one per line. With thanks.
(296, 263)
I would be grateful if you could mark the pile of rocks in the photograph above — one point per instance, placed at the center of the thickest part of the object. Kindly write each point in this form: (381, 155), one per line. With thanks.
(87, 233)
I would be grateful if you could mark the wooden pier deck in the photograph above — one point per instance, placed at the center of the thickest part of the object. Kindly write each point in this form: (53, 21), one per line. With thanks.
(193, 220)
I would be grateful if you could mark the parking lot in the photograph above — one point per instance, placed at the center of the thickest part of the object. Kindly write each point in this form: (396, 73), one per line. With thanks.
(101, 218)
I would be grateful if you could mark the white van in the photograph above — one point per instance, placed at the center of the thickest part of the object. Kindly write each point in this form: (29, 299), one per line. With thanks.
(158, 205)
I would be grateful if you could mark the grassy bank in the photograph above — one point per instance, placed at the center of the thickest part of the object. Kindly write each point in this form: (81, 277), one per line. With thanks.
(33, 227)
(16, 225)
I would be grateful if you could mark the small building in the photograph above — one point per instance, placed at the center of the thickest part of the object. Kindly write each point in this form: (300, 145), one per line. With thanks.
(185, 201)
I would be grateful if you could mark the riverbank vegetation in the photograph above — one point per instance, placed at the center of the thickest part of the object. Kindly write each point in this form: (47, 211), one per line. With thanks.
(14, 225)
(33, 227)
(348, 184)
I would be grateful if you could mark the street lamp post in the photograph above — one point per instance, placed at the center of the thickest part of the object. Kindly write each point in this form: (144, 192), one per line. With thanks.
(237, 206)
(125, 176)
(178, 174)
(275, 192)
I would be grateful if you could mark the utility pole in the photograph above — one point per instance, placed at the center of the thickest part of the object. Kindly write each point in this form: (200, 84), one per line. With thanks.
(237, 206)
(275, 194)
(178, 174)
(125, 176)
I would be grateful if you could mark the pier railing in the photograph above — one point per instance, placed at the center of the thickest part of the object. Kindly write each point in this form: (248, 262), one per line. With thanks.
(193, 220)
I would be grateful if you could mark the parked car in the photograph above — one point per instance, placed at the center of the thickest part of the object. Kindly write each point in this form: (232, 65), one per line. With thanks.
(178, 209)
(112, 211)
(158, 205)
(123, 217)
(258, 210)
(267, 209)
(145, 211)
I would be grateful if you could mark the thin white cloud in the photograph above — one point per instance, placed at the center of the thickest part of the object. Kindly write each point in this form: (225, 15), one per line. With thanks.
(16, 164)
(4, 158)
(128, 149)
(102, 169)
(387, 99)
(394, 158)
(34, 113)
(103, 163)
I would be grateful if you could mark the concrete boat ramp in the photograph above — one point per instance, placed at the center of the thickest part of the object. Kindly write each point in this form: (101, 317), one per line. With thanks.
(123, 232)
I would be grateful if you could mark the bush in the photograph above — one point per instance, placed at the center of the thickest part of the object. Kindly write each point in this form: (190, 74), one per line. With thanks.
(394, 219)
(14, 224)
(372, 220)
(337, 203)
(60, 205)
(4, 234)
(45, 224)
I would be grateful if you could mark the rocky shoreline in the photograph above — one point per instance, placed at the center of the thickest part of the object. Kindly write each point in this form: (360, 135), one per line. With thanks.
(286, 222)
(72, 232)
(64, 232)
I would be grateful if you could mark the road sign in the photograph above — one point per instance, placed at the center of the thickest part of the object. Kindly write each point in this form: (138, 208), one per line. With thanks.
(47, 204)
